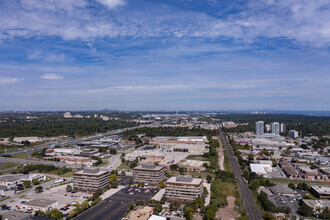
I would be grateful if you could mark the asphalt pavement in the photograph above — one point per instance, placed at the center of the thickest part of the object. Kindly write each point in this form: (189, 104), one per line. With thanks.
(248, 200)
(114, 207)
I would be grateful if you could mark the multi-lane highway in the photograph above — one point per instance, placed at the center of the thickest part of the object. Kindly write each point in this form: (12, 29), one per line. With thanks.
(248, 200)
(113, 161)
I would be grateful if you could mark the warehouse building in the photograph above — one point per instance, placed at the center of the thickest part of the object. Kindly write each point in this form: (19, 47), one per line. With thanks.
(183, 188)
(40, 204)
(321, 192)
(149, 173)
(90, 180)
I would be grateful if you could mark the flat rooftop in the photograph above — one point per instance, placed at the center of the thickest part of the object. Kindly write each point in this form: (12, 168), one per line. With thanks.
(91, 172)
(11, 178)
(317, 203)
(185, 179)
(14, 215)
(148, 167)
(322, 189)
(40, 202)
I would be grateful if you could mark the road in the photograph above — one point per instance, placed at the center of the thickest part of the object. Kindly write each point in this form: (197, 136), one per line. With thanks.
(248, 200)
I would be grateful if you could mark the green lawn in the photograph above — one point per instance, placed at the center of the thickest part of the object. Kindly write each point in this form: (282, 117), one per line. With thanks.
(9, 165)
(124, 167)
(196, 157)
(9, 149)
(21, 156)
(4, 198)
(68, 174)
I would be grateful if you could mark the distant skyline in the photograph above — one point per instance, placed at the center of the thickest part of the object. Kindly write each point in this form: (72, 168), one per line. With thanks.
(164, 55)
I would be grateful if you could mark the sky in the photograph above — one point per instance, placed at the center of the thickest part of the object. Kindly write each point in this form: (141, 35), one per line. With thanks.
(164, 55)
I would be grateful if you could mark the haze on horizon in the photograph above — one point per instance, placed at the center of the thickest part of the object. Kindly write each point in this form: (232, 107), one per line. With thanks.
(164, 55)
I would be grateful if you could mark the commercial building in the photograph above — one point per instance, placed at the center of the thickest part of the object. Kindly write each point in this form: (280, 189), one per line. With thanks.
(321, 192)
(261, 169)
(90, 180)
(30, 139)
(11, 181)
(75, 160)
(194, 165)
(149, 173)
(290, 172)
(40, 204)
(259, 128)
(183, 188)
(317, 204)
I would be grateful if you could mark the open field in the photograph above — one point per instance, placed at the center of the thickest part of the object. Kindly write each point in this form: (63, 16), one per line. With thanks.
(9, 165)
(124, 167)
(21, 156)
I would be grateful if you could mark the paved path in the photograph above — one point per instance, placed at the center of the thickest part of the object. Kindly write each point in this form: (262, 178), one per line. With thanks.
(248, 200)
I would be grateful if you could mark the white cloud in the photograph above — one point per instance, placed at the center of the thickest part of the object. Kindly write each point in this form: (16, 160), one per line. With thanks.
(7, 80)
(112, 3)
(51, 76)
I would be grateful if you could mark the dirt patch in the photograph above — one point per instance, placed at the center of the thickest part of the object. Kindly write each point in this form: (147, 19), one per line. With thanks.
(221, 158)
(228, 212)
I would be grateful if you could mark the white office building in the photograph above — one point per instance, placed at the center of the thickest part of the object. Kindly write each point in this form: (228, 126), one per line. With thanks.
(275, 128)
(259, 128)
(293, 134)
(283, 128)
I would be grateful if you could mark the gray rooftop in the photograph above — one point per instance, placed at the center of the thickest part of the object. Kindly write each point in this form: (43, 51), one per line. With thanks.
(11, 178)
(91, 171)
(148, 167)
(184, 179)
(40, 202)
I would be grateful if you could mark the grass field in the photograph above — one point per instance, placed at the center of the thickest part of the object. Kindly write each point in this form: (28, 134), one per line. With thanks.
(4, 198)
(21, 156)
(196, 157)
(68, 174)
(124, 167)
(9, 149)
(9, 165)
(287, 181)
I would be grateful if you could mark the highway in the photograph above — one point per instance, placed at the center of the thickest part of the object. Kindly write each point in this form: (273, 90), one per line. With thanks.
(113, 161)
(248, 200)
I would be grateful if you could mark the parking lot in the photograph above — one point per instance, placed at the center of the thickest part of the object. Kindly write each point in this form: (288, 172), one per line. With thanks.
(116, 205)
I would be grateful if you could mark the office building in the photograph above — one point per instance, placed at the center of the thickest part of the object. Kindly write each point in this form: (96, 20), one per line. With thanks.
(183, 188)
(283, 128)
(90, 180)
(293, 134)
(275, 128)
(259, 128)
(149, 173)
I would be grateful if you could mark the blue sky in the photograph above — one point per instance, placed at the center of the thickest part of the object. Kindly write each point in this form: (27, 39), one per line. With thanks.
(164, 55)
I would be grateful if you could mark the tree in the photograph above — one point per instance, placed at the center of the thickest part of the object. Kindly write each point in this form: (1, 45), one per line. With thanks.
(68, 188)
(209, 178)
(189, 213)
(85, 205)
(174, 167)
(163, 200)
(20, 187)
(291, 186)
(27, 183)
(54, 214)
(305, 210)
(161, 185)
(113, 178)
(251, 157)
(39, 189)
(35, 182)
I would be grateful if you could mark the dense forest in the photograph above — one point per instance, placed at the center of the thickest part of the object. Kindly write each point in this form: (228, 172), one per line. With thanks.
(305, 125)
(54, 124)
